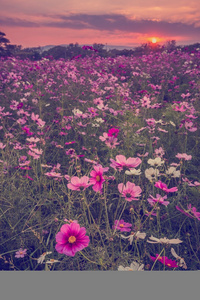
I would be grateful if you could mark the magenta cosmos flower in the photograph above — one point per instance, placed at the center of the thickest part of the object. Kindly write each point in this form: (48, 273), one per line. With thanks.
(71, 238)
(122, 226)
(165, 261)
(78, 184)
(113, 132)
(97, 177)
(130, 191)
(121, 162)
(159, 184)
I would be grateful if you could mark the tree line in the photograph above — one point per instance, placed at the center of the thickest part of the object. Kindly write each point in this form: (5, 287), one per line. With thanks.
(75, 51)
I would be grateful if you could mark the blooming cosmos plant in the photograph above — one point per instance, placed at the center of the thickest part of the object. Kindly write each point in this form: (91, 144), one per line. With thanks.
(20, 253)
(133, 267)
(122, 226)
(97, 177)
(78, 184)
(130, 191)
(154, 240)
(159, 184)
(165, 261)
(71, 238)
(123, 163)
(158, 199)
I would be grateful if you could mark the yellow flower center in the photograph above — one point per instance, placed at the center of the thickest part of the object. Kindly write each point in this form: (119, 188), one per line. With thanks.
(72, 239)
(98, 178)
(121, 225)
(169, 265)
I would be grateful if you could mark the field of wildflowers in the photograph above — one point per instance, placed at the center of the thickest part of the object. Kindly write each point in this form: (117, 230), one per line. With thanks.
(99, 163)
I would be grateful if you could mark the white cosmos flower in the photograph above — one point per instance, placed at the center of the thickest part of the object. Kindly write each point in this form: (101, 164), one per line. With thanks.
(137, 235)
(133, 172)
(133, 267)
(52, 261)
(173, 172)
(77, 111)
(151, 174)
(181, 261)
(172, 123)
(164, 240)
(42, 257)
(157, 162)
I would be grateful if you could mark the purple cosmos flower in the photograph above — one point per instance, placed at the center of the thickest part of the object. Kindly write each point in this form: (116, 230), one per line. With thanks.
(20, 253)
(122, 226)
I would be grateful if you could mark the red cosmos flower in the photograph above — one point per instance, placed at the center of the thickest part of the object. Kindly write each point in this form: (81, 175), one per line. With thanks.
(97, 177)
(130, 191)
(165, 261)
(121, 162)
(159, 184)
(71, 238)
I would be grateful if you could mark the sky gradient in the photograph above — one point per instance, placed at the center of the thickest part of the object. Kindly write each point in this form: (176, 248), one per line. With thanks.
(124, 23)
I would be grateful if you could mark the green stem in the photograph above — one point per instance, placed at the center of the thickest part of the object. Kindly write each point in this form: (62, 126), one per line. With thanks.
(157, 258)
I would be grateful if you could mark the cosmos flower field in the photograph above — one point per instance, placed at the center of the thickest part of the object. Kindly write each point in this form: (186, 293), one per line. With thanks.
(99, 163)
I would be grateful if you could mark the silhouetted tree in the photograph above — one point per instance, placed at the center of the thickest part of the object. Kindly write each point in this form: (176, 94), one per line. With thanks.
(3, 43)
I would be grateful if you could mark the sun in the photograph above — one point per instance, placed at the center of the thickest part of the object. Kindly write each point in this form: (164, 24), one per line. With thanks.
(154, 40)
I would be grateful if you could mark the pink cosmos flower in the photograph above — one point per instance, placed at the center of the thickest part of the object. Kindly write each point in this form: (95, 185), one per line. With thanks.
(97, 177)
(20, 253)
(158, 199)
(71, 238)
(130, 191)
(159, 184)
(104, 137)
(184, 156)
(189, 210)
(165, 261)
(111, 142)
(190, 126)
(122, 226)
(53, 174)
(78, 184)
(2, 146)
(121, 162)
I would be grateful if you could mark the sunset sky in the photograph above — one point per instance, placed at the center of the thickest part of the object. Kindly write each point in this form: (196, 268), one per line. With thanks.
(121, 22)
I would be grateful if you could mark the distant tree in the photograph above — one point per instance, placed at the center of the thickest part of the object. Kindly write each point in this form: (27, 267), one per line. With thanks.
(56, 52)
(170, 45)
(3, 43)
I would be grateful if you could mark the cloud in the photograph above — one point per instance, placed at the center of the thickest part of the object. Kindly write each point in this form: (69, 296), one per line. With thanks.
(106, 22)
(16, 22)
